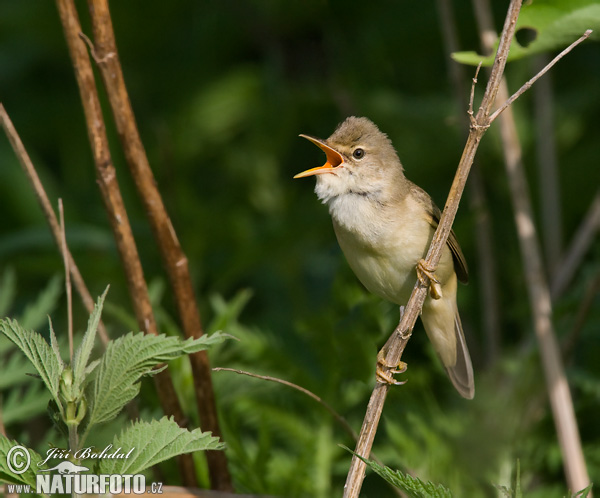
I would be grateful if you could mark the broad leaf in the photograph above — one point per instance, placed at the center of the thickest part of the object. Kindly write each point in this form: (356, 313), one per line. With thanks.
(555, 24)
(37, 350)
(154, 442)
(17, 458)
(125, 361)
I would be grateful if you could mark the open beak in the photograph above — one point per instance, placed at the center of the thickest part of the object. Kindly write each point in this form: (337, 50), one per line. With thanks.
(334, 159)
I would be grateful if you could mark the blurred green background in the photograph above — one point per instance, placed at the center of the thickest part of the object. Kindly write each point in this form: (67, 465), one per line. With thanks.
(221, 91)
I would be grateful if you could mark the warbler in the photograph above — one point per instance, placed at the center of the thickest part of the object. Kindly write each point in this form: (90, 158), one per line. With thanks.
(384, 224)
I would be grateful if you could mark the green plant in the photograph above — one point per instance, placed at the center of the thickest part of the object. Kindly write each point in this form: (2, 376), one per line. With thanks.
(85, 394)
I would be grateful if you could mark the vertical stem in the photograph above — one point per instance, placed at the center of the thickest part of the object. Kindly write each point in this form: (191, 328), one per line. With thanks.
(115, 207)
(175, 261)
(67, 277)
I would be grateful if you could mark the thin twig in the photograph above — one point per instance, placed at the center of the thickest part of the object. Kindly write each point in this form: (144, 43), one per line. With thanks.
(117, 214)
(341, 420)
(482, 230)
(389, 357)
(63, 231)
(585, 306)
(582, 240)
(104, 51)
(527, 85)
(49, 213)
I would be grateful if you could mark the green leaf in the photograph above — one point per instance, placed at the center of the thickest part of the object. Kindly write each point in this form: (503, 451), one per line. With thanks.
(18, 457)
(54, 345)
(37, 350)
(125, 361)
(584, 492)
(154, 442)
(556, 23)
(82, 355)
(412, 486)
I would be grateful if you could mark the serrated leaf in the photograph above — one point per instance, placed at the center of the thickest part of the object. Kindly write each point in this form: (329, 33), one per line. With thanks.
(557, 23)
(82, 355)
(37, 350)
(412, 486)
(125, 361)
(154, 442)
(54, 345)
(6, 475)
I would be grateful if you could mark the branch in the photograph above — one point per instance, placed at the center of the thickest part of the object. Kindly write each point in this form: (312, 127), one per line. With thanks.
(50, 215)
(176, 263)
(113, 203)
(341, 420)
(582, 240)
(390, 355)
(527, 85)
(483, 230)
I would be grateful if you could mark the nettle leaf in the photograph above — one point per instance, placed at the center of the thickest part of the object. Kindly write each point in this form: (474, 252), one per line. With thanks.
(125, 361)
(37, 350)
(17, 457)
(554, 24)
(82, 355)
(412, 486)
(154, 442)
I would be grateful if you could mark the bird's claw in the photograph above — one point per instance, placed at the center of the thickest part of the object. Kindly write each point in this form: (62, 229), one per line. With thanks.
(435, 287)
(385, 373)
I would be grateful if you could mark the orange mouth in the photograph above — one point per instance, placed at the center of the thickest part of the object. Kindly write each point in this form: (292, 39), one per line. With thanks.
(334, 159)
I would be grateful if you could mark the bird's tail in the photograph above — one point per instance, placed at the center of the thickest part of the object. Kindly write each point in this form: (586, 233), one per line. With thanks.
(461, 373)
(443, 327)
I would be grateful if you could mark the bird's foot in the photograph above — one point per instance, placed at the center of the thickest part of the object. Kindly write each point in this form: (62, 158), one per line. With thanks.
(384, 373)
(426, 275)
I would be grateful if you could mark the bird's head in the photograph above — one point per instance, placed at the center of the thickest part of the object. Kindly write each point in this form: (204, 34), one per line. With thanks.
(360, 160)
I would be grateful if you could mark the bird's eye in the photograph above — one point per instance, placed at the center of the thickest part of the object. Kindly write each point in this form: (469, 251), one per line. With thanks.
(358, 153)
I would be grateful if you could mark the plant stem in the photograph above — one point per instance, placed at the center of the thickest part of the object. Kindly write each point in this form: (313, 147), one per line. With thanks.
(104, 52)
(117, 214)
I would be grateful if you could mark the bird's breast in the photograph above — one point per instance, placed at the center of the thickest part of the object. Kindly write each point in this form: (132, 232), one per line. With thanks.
(382, 244)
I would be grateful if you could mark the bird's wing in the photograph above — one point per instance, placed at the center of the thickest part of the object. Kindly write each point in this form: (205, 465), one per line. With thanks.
(460, 264)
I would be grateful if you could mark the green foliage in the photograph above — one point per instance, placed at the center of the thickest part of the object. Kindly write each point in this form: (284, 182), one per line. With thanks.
(125, 361)
(27, 477)
(155, 442)
(555, 24)
(113, 382)
(412, 486)
(39, 353)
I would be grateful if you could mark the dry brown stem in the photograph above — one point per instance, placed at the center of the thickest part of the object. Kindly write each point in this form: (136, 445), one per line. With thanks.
(104, 52)
(49, 213)
(390, 355)
(483, 232)
(63, 248)
(117, 214)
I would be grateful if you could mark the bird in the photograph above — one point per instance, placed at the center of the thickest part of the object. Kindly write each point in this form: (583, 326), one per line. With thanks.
(384, 224)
